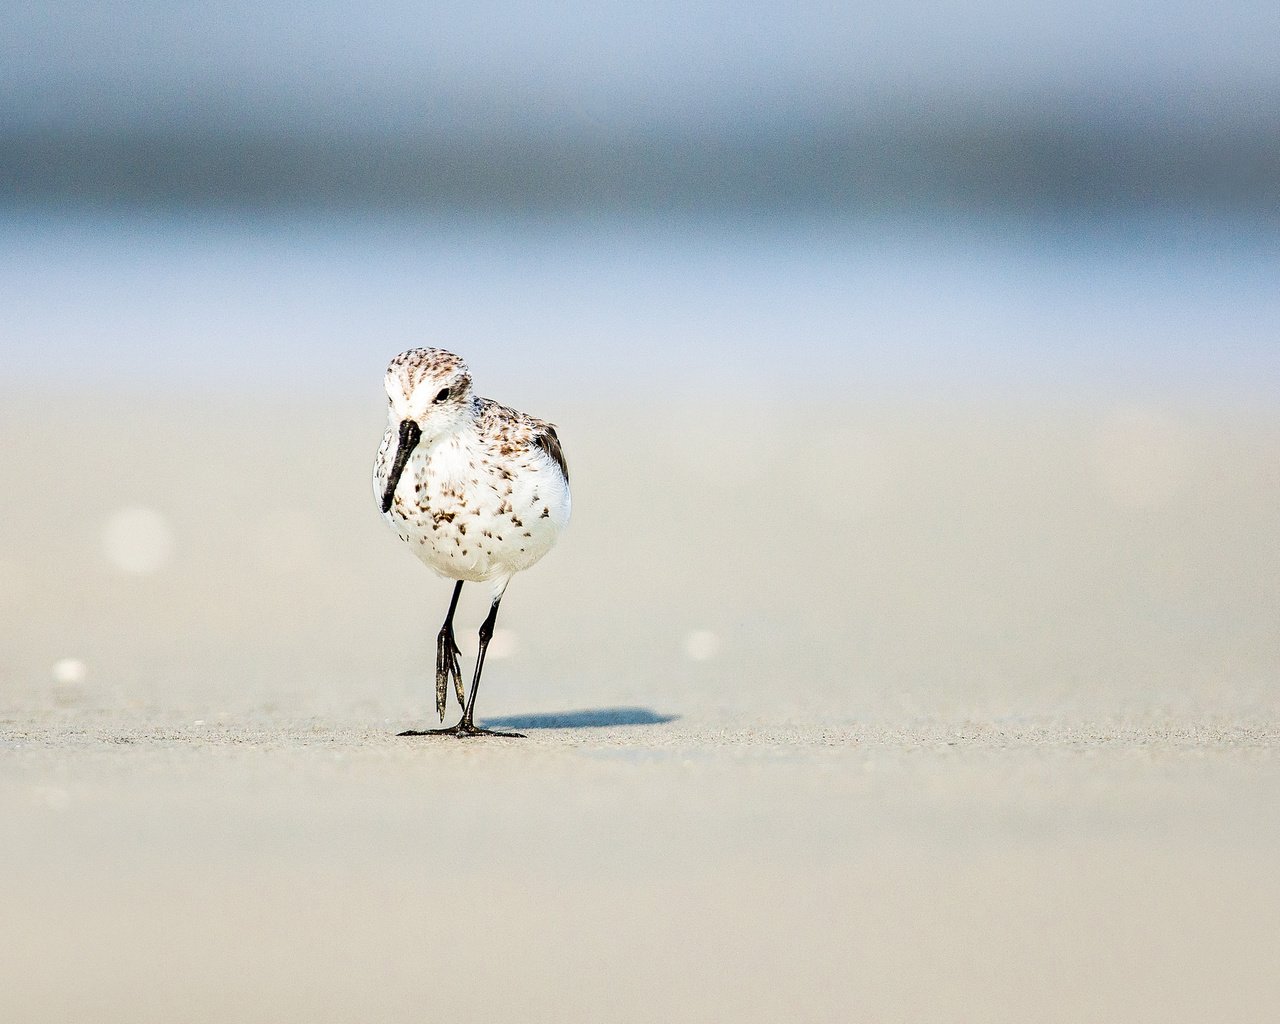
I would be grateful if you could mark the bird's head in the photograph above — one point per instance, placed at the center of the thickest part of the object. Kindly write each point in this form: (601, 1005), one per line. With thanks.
(429, 396)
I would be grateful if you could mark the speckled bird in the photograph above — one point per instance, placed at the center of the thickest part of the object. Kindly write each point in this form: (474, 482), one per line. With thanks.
(478, 492)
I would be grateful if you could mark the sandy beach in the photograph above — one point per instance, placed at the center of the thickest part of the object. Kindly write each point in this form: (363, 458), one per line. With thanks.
(300, 870)
(993, 738)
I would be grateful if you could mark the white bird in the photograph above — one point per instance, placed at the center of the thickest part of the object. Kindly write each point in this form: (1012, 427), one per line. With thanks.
(478, 491)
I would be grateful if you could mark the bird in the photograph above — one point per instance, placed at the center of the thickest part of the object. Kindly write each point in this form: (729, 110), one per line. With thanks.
(478, 491)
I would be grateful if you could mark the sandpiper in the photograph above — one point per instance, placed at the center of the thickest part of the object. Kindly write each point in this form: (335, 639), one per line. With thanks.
(478, 491)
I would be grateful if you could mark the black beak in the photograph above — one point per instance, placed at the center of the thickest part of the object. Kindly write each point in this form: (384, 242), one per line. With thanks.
(410, 433)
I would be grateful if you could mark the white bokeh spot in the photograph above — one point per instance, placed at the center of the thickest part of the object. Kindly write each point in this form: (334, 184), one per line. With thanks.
(69, 671)
(137, 540)
(702, 645)
(503, 644)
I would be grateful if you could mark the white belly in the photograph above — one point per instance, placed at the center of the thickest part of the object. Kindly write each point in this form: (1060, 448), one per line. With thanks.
(470, 520)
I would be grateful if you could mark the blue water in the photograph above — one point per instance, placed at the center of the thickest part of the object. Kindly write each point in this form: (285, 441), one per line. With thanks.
(648, 309)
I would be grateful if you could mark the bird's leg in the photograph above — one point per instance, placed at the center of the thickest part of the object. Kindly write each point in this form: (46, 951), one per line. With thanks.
(447, 666)
(467, 727)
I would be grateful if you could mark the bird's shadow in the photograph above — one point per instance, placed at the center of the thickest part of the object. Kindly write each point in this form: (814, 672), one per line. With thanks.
(589, 718)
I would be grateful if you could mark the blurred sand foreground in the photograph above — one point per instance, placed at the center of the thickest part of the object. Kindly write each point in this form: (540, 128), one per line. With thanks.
(943, 714)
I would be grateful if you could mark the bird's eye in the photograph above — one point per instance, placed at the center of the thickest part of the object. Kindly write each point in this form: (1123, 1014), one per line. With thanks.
(443, 396)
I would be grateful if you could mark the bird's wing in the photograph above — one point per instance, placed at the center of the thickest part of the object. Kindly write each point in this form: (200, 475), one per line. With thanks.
(546, 438)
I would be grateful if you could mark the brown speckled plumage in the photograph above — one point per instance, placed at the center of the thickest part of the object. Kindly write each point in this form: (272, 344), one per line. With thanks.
(450, 461)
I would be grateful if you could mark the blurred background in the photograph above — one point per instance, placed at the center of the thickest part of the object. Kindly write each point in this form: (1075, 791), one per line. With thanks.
(917, 369)
(889, 346)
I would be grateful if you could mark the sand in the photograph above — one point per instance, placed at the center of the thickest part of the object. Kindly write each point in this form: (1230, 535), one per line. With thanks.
(984, 728)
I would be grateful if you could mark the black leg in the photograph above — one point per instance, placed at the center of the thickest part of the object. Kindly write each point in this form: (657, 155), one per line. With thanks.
(467, 726)
(447, 666)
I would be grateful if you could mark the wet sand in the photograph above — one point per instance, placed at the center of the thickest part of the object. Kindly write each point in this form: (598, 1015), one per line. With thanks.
(983, 724)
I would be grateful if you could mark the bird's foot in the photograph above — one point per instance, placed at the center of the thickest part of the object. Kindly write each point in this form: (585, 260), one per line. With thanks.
(447, 667)
(462, 730)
